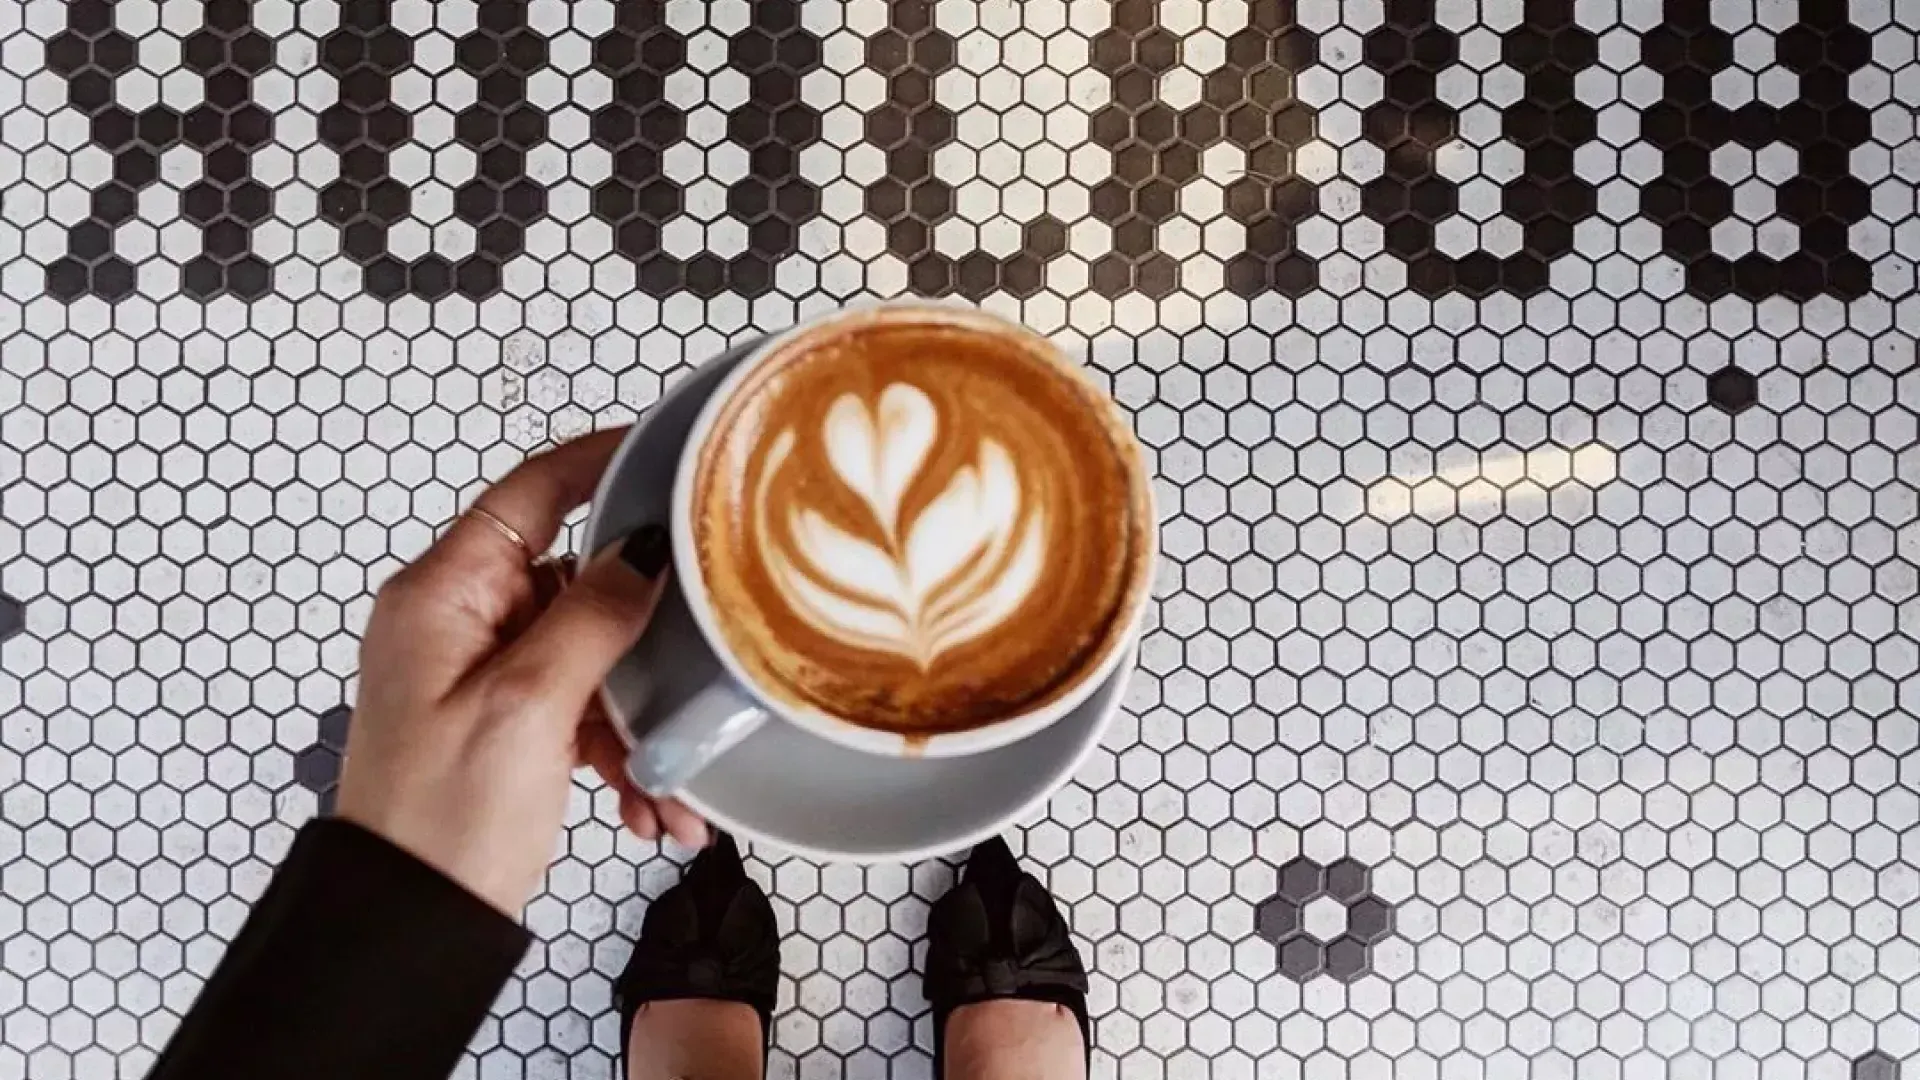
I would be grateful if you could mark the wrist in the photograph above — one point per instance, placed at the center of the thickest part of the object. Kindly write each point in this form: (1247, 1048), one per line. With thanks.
(444, 851)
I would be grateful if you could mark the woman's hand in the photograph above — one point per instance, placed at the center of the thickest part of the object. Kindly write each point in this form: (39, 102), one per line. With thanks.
(479, 694)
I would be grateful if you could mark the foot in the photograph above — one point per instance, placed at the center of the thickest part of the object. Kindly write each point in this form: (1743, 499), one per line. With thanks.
(1011, 1039)
(696, 1037)
(703, 976)
(1008, 988)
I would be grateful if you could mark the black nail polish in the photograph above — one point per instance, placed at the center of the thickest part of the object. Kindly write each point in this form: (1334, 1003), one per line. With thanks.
(646, 551)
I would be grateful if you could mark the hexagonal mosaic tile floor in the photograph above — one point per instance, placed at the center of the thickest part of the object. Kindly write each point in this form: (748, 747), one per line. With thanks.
(1532, 686)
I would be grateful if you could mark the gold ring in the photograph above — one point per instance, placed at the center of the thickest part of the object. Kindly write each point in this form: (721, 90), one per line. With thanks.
(503, 529)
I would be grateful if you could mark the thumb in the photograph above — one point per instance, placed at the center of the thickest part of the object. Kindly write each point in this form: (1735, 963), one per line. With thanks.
(570, 648)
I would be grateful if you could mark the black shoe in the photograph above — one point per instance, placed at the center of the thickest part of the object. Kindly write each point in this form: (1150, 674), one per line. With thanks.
(997, 934)
(712, 936)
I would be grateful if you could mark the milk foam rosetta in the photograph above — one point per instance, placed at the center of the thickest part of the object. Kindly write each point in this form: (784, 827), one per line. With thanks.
(956, 569)
(916, 526)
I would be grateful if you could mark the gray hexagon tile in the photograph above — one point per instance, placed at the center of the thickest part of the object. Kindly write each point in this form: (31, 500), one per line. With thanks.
(1877, 1065)
(317, 768)
(1531, 389)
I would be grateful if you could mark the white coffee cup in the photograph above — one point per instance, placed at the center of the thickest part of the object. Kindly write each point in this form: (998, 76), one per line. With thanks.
(685, 696)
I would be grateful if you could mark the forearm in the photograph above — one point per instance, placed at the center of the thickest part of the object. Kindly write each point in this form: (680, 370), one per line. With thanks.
(360, 961)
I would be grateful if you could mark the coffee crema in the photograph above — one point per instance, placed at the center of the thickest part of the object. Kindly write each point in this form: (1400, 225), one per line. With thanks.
(920, 521)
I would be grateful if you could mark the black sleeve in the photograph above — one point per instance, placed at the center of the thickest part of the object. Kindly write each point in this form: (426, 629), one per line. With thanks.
(360, 963)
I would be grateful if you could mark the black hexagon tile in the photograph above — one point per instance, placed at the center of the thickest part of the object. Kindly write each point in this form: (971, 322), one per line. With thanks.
(1733, 390)
(13, 616)
(1522, 693)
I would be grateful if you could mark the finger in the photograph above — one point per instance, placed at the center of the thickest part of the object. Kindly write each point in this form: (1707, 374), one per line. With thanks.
(533, 501)
(548, 578)
(636, 813)
(569, 649)
(682, 823)
(597, 742)
(600, 749)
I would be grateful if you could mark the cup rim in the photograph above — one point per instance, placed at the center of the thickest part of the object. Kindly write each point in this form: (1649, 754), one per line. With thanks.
(826, 724)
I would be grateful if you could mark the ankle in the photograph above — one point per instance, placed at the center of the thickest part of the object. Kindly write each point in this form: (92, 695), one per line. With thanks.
(695, 1039)
(1013, 1039)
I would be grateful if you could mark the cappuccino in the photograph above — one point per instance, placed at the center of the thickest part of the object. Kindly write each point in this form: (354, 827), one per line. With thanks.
(920, 520)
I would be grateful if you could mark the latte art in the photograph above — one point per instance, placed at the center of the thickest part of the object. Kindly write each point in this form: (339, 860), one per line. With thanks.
(954, 570)
(921, 522)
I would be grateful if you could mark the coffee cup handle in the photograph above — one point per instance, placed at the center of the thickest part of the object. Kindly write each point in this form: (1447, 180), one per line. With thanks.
(705, 726)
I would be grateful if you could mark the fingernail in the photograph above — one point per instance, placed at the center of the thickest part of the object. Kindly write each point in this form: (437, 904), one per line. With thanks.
(646, 552)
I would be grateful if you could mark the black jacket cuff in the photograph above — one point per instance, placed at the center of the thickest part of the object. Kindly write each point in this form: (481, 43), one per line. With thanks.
(360, 961)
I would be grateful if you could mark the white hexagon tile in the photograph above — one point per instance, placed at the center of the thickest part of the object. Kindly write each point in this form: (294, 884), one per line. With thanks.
(1531, 387)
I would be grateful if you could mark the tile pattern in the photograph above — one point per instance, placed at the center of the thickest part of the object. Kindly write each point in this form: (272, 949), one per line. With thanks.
(1823, 125)
(1324, 919)
(367, 124)
(1250, 103)
(951, 249)
(225, 127)
(1414, 122)
(771, 124)
(638, 127)
(90, 53)
(1531, 388)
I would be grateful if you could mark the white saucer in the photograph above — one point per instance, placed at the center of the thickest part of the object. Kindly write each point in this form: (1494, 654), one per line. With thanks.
(793, 789)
